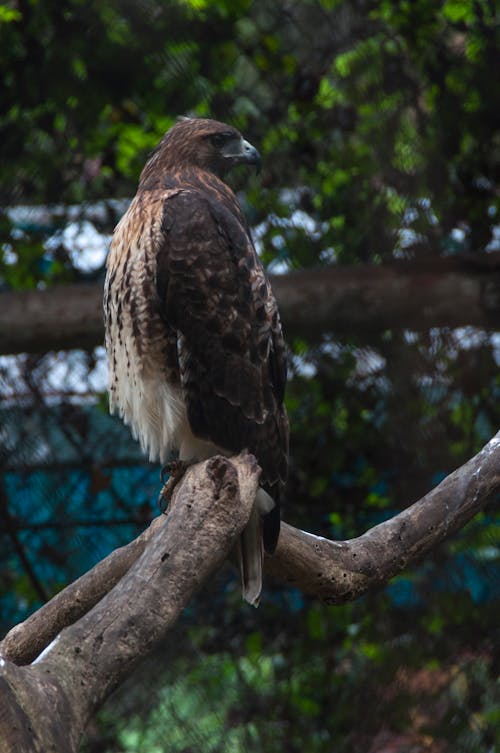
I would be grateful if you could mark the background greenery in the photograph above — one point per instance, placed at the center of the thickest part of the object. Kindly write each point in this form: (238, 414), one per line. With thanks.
(378, 126)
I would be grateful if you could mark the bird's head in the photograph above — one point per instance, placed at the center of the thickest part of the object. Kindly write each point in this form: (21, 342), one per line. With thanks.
(201, 143)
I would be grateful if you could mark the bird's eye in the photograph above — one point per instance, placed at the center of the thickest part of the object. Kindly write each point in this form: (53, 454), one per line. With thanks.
(219, 139)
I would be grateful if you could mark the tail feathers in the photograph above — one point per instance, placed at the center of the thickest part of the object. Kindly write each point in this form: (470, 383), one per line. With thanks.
(250, 552)
(269, 508)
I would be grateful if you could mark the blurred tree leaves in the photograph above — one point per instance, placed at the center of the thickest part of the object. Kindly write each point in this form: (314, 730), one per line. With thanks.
(378, 125)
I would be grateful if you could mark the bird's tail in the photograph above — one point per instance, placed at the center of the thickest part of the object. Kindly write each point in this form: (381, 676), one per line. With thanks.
(250, 549)
(250, 552)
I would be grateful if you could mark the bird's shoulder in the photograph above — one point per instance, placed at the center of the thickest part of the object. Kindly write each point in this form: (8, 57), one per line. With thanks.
(141, 225)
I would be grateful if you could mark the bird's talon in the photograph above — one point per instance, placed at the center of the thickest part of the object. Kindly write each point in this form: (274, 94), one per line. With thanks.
(175, 470)
(164, 474)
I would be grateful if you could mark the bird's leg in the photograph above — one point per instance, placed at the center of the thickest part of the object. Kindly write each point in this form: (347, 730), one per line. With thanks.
(175, 471)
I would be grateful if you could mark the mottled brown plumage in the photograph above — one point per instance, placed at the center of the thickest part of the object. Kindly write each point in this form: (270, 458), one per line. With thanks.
(195, 348)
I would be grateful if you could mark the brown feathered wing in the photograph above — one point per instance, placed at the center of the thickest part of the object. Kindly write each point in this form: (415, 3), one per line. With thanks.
(214, 294)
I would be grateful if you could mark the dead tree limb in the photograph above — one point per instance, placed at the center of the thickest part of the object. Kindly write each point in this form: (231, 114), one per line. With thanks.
(28, 639)
(334, 571)
(340, 571)
(47, 704)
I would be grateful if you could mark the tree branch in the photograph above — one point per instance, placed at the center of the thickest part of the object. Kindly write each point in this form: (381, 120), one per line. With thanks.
(340, 571)
(143, 588)
(26, 640)
(452, 291)
(69, 680)
(334, 571)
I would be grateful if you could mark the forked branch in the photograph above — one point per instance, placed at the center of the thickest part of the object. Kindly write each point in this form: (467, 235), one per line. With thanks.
(46, 705)
(334, 571)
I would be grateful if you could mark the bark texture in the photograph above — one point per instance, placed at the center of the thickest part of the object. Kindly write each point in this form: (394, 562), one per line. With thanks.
(340, 571)
(333, 571)
(50, 701)
(26, 641)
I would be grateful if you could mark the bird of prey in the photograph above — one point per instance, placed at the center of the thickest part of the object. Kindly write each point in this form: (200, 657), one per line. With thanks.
(195, 348)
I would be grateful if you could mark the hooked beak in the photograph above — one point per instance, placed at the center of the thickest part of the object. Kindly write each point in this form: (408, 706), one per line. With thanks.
(250, 155)
(243, 153)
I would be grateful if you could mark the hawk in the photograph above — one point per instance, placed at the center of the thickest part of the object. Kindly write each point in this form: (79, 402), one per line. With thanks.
(195, 348)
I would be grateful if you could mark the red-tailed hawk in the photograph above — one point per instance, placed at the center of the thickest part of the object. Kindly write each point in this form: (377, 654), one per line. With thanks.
(195, 349)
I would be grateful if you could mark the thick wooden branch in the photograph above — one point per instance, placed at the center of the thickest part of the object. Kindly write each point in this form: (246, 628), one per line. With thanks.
(340, 571)
(57, 694)
(334, 571)
(453, 291)
(47, 704)
(28, 639)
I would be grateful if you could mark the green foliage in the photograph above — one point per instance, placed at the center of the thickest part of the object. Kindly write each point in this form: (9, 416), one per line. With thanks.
(378, 128)
(380, 120)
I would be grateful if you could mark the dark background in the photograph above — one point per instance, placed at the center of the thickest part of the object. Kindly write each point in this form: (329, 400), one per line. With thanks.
(378, 127)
